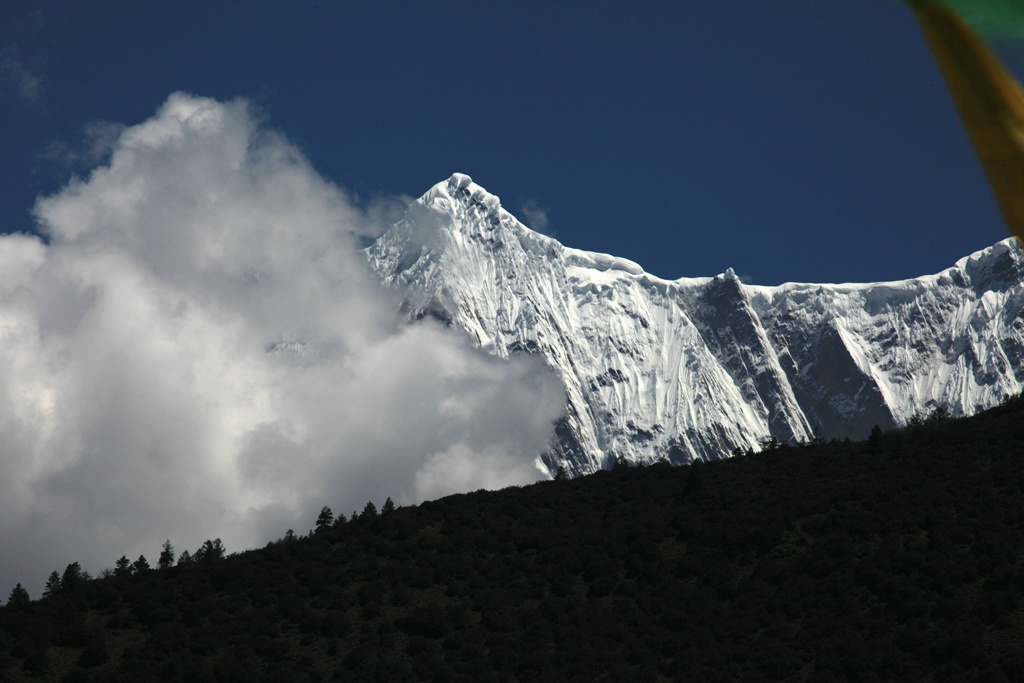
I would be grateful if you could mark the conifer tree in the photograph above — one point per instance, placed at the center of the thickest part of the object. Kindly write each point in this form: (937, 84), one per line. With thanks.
(19, 599)
(389, 506)
(369, 511)
(140, 565)
(166, 558)
(73, 576)
(875, 440)
(52, 584)
(123, 567)
(209, 552)
(325, 519)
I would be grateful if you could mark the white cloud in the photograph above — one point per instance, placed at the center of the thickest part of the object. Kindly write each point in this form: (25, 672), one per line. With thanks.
(14, 73)
(536, 216)
(200, 352)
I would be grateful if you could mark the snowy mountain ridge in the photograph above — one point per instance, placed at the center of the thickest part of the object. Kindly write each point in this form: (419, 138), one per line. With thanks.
(696, 367)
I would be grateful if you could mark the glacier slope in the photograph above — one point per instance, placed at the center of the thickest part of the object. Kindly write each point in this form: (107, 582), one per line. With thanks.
(696, 367)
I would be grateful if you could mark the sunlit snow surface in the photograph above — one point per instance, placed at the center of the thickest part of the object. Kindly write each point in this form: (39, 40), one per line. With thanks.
(693, 368)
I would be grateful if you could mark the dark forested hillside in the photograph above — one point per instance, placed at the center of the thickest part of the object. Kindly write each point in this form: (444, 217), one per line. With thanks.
(900, 558)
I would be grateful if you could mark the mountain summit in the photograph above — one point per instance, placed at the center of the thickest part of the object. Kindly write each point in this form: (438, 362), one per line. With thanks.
(696, 367)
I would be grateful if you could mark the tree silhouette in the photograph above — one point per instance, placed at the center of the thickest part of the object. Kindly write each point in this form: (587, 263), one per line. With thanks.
(818, 563)
(389, 506)
(141, 564)
(369, 511)
(325, 519)
(19, 599)
(209, 552)
(875, 440)
(166, 558)
(73, 576)
(53, 585)
(123, 567)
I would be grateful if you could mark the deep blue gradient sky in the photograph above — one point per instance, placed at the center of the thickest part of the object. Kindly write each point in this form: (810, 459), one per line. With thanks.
(793, 140)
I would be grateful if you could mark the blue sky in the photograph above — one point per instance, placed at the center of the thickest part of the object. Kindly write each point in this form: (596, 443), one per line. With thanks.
(807, 140)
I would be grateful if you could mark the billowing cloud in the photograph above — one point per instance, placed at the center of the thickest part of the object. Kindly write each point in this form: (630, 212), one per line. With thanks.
(198, 350)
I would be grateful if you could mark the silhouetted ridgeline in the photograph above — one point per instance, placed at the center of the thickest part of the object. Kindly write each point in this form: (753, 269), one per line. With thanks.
(895, 559)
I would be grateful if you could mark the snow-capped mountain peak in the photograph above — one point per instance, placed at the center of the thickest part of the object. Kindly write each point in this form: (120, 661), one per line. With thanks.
(696, 367)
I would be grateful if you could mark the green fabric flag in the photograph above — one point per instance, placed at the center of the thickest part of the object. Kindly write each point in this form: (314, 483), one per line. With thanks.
(991, 18)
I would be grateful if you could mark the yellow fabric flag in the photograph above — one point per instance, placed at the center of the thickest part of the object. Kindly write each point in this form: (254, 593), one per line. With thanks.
(989, 100)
